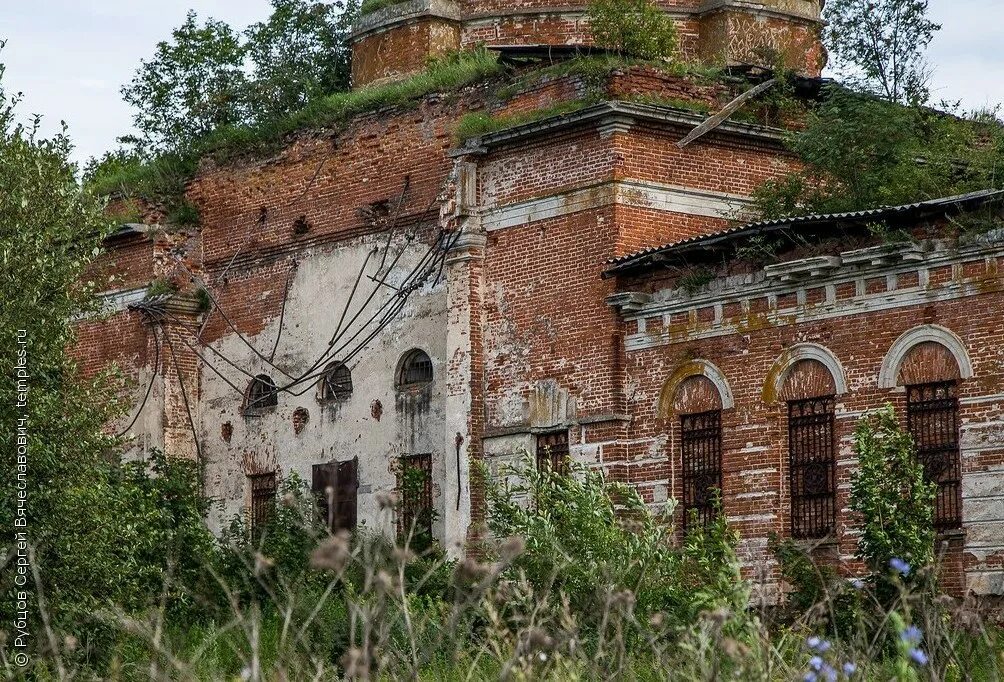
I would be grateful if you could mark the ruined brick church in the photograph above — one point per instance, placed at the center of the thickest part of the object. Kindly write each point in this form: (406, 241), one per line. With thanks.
(388, 297)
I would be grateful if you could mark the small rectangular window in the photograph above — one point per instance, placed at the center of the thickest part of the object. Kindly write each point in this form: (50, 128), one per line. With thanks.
(415, 487)
(552, 452)
(335, 487)
(812, 467)
(701, 449)
(263, 491)
(932, 414)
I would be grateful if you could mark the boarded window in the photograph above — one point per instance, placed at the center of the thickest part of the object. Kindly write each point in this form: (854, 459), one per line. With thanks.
(812, 467)
(335, 487)
(552, 452)
(263, 489)
(933, 420)
(415, 369)
(416, 512)
(701, 448)
(261, 395)
(336, 384)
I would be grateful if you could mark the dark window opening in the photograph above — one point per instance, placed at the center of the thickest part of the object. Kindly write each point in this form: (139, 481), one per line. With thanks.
(701, 449)
(263, 490)
(335, 487)
(552, 452)
(262, 395)
(932, 414)
(416, 512)
(812, 467)
(336, 384)
(415, 370)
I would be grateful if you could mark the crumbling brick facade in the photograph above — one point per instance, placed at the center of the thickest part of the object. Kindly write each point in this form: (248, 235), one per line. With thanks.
(524, 269)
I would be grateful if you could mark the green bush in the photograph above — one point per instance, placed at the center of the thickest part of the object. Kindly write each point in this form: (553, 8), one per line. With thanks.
(590, 540)
(894, 500)
(635, 28)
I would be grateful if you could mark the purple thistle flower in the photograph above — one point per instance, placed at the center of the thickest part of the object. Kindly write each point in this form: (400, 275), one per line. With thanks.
(918, 656)
(899, 566)
(850, 668)
(911, 635)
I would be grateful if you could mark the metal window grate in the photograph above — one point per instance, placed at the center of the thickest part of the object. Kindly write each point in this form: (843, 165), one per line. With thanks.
(812, 467)
(552, 452)
(337, 382)
(415, 486)
(263, 490)
(262, 394)
(701, 449)
(416, 369)
(932, 413)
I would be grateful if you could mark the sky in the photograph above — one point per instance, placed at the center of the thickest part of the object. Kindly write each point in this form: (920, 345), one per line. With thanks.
(70, 57)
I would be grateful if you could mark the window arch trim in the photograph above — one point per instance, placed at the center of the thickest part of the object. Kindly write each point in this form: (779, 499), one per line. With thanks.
(341, 388)
(778, 373)
(269, 398)
(689, 369)
(414, 370)
(893, 361)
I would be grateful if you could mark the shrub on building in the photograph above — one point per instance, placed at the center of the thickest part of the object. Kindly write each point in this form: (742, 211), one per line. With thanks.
(635, 28)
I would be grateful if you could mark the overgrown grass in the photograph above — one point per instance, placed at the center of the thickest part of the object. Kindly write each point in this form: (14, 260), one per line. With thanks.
(370, 6)
(480, 123)
(163, 179)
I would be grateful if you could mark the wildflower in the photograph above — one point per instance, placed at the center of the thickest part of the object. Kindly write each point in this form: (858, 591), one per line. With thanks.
(899, 566)
(857, 583)
(810, 677)
(813, 642)
(816, 663)
(911, 635)
(332, 554)
(849, 668)
(818, 644)
(512, 548)
(918, 656)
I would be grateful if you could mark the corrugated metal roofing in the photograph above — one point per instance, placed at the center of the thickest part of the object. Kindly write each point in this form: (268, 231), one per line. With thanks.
(879, 213)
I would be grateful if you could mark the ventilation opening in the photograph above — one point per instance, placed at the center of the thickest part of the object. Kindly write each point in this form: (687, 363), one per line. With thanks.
(415, 370)
(336, 384)
(262, 395)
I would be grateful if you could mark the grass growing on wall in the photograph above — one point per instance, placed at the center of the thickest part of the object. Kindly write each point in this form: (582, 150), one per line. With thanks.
(163, 179)
(370, 6)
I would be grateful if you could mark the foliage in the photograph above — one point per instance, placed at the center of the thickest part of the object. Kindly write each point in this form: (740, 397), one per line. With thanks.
(370, 6)
(163, 177)
(892, 497)
(879, 45)
(476, 124)
(299, 55)
(589, 539)
(194, 84)
(900, 155)
(636, 28)
(695, 279)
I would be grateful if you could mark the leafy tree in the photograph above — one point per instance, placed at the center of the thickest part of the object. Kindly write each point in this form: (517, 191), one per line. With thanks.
(299, 54)
(879, 45)
(890, 492)
(102, 533)
(194, 84)
(635, 28)
(900, 154)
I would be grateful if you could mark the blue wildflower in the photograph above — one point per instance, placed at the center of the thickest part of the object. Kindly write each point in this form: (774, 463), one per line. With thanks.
(850, 668)
(816, 663)
(918, 656)
(899, 566)
(809, 677)
(813, 641)
(858, 583)
(829, 672)
(911, 635)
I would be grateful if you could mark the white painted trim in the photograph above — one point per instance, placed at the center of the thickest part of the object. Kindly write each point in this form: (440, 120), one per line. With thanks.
(810, 351)
(661, 197)
(711, 372)
(889, 374)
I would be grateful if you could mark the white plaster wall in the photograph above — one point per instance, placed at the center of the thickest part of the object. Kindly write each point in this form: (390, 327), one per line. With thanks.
(409, 424)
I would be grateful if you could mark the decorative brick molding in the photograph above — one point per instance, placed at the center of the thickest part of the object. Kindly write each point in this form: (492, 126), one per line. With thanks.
(889, 374)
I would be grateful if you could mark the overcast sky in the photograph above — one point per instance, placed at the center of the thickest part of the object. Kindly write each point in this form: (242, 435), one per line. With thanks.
(70, 57)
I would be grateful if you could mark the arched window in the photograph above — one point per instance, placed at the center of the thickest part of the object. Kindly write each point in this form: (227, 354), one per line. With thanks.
(261, 395)
(336, 384)
(415, 369)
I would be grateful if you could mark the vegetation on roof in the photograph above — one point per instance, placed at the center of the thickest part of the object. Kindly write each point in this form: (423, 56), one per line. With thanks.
(161, 179)
(370, 6)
